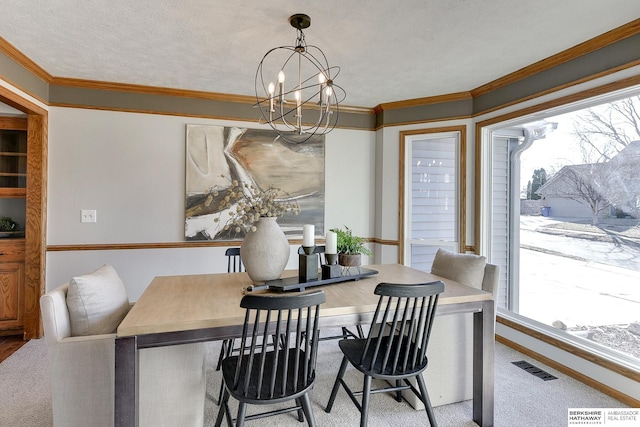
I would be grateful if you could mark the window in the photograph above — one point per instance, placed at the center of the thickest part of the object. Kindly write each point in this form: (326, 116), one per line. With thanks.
(432, 195)
(563, 216)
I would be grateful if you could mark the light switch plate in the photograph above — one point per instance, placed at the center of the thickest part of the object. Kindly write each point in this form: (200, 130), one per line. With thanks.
(88, 215)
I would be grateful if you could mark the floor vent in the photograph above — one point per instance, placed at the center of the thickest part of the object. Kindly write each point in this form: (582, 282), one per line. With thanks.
(534, 370)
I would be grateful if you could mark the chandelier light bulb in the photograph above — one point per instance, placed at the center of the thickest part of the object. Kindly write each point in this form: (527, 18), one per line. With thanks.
(322, 80)
(317, 102)
(272, 90)
(329, 91)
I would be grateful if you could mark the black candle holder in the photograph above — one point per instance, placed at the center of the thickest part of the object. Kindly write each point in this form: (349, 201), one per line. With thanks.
(308, 264)
(331, 269)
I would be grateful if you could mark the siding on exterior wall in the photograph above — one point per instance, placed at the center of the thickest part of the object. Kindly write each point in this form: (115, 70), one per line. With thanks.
(500, 215)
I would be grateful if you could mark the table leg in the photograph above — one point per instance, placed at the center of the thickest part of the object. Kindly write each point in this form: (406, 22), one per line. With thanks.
(483, 361)
(126, 384)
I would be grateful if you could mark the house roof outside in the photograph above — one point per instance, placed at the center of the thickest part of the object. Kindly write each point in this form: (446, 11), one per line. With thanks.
(617, 181)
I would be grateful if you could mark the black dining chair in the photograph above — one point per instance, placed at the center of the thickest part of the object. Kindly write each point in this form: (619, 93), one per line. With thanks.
(234, 265)
(268, 372)
(395, 348)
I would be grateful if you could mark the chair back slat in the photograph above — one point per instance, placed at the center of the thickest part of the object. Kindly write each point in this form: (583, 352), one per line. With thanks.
(368, 342)
(243, 344)
(397, 341)
(433, 302)
(278, 345)
(313, 353)
(274, 361)
(234, 260)
(406, 329)
(417, 355)
(394, 339)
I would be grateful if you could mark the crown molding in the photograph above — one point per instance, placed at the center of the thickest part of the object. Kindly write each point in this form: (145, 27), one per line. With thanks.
(23, 60)
(417, 102)
(184, 93)
(149, 90)
(591, 45)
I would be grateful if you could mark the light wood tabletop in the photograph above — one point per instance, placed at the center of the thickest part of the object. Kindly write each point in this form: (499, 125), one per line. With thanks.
(177, 310)
(179, 303)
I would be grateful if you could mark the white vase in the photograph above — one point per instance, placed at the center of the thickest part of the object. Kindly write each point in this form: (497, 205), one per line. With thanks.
(265, 252)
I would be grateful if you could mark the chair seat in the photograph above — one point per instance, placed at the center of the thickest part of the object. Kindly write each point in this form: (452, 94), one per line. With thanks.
(292, 389)
(353, 349)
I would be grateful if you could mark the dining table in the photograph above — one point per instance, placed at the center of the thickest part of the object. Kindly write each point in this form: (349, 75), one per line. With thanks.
(185, 309)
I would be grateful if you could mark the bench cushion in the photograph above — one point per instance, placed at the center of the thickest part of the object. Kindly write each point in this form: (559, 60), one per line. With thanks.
(97, 302)
(467, 269)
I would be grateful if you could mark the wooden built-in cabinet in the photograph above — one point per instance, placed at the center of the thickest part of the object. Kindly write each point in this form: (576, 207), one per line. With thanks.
(11, 286)
(13, 191)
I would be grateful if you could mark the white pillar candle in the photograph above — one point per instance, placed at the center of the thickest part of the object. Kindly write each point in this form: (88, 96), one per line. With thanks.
(308, 233)
(332, 243)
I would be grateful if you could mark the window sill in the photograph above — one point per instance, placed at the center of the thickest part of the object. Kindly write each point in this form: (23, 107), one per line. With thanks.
(598, 354)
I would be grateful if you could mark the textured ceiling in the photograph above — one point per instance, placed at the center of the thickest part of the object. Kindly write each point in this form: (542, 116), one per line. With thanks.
(388, 50)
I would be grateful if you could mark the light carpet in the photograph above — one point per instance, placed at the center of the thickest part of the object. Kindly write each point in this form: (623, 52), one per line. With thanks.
(521, 399)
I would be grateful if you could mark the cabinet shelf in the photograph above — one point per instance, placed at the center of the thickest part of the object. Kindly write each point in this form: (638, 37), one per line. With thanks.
(13, 158)
(13, 192)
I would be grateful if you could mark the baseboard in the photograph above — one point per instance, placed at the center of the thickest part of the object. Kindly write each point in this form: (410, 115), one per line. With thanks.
(627, 400)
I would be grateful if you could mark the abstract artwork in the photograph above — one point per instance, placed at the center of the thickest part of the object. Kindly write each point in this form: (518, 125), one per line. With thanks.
(216, 156)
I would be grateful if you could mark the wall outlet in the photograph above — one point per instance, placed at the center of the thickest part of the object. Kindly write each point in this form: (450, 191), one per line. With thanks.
(88, 215)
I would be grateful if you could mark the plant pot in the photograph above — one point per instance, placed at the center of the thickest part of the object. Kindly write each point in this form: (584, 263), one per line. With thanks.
(265, 252)
(350, 260)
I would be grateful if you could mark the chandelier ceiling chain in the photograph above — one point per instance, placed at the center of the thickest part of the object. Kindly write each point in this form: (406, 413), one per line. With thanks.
(296, 80)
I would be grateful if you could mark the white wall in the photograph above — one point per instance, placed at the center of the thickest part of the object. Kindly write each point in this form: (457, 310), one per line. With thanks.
(130, 168)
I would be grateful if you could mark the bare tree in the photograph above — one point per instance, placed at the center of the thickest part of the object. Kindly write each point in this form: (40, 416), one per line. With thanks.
(598, 185)
(587, 184)
(605, 130)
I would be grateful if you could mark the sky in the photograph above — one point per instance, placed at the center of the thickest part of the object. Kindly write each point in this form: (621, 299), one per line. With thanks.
(560, 147)
(557, 149)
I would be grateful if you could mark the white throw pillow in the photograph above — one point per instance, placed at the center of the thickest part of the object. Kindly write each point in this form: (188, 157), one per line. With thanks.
(97, 302)
(467, 269)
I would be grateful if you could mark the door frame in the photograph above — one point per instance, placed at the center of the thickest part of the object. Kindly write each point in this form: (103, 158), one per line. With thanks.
(36, 209)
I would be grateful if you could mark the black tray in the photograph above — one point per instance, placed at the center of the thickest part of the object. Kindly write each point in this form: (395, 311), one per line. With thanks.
(294, 284)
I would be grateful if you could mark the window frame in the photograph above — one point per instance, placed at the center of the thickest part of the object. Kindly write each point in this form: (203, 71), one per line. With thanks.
(403, 204)
(591, 351)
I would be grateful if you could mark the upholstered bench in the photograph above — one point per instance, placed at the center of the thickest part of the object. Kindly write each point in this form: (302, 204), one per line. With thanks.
(80, 319)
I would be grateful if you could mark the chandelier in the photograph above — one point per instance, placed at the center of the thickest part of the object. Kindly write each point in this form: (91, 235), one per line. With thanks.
(296, 80)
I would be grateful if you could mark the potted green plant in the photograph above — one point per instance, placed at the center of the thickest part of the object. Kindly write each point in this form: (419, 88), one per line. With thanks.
(9, 228)
(350, 248)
